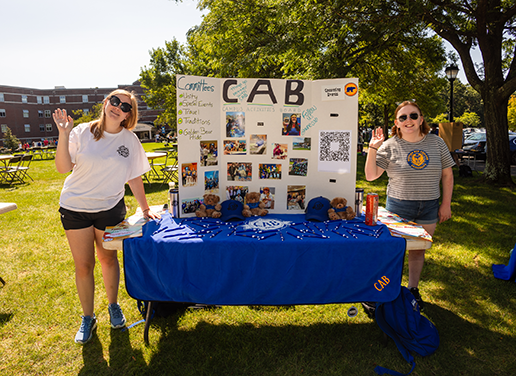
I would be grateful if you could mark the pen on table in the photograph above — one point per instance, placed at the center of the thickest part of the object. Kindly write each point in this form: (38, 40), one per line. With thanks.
(338, 233)
(295, 236)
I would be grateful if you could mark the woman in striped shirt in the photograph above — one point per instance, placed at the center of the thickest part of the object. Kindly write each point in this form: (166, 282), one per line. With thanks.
(416, 162)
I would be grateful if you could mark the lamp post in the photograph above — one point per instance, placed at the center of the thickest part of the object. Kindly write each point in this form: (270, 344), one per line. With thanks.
(451, 73)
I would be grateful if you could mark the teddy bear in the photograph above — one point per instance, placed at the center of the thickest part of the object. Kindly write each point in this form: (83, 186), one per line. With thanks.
(253, 205)
(339, 210)
(210, 206)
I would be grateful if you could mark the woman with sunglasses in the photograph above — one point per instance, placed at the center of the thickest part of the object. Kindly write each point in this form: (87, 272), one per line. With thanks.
(416, 162)
(103, 156)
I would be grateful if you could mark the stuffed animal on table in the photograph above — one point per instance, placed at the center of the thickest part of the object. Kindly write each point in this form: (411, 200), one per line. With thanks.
(339, 210)
(210, 207)
(254, 206)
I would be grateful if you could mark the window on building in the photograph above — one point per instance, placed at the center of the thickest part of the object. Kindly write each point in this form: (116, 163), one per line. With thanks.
(1, 97)
(3, 128)
(40, 113)
(48, 113)
(46, 100)
(24, 99)
(84, 99)
(27, 128)
(86, 111)
(25, 113)
(39, 99)
(62, 99)
(49, 127)
(42, 127)
(2, 113)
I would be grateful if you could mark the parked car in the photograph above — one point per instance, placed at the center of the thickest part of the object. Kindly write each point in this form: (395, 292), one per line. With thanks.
(480, 148)
(474, 138)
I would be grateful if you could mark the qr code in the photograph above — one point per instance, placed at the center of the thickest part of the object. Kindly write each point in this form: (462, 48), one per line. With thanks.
(335, 146)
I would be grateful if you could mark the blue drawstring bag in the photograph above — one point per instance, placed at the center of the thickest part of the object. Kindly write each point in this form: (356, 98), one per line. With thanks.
(401, 320)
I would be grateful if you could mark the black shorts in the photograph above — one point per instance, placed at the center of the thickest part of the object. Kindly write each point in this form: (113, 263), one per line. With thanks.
(73, 220)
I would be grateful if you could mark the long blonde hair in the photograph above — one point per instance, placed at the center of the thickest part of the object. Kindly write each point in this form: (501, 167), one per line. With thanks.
(423, 129)
(97, 126)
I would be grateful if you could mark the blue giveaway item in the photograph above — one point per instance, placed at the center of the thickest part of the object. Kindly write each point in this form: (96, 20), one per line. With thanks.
(402, 321)
(231, 209)
(506, 272)
(317, 209)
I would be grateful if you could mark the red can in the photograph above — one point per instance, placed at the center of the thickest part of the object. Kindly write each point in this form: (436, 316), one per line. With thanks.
(371, 213)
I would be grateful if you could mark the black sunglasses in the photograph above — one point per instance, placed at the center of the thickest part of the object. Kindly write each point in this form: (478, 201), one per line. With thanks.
(413, 116)
(115, 101)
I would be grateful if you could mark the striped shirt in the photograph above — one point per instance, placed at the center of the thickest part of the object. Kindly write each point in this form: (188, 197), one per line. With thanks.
(414, 168)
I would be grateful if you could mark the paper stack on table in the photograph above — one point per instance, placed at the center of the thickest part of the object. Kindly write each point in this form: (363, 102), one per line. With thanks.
(129, 227)
(401, 227)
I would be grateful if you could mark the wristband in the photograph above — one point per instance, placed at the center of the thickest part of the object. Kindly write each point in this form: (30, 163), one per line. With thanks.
(370, 147)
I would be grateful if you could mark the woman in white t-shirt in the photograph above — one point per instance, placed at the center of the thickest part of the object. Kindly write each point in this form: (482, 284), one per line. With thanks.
(103, 156)
(416, 163)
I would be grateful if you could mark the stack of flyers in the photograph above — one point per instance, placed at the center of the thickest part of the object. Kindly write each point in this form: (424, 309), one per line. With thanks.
(129, 227)
(401, 227)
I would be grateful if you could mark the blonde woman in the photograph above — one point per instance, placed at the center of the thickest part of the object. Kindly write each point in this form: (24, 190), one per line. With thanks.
(103, 155)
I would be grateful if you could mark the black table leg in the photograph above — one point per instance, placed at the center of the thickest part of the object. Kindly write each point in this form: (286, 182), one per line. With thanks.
(147, 323)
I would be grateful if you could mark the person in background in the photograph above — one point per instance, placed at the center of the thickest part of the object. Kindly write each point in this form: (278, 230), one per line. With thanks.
(416, 162)
(103, 156)
(267, 198)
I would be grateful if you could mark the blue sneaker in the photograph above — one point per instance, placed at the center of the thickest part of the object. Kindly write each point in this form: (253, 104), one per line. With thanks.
(116, 316)
(85, 332)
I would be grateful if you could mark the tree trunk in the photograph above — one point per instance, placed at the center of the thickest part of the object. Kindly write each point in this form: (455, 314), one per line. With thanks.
(498, 164)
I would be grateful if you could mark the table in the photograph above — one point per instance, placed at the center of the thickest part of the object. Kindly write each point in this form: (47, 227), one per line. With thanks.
(151, 156)
(4, 158)
(4, 208)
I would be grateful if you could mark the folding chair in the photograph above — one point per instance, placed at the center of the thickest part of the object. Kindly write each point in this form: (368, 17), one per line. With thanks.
(159, 166)
(170, 173)
(10, 174)
(24, 167)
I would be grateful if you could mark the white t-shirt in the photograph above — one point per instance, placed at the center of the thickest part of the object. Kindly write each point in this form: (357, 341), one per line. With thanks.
(102, 168)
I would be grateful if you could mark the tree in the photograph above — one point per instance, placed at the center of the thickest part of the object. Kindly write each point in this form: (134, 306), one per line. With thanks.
(159, 81)
(490, 26)
(10, 141)
(469, 119)
(80, 117)
(394, 59)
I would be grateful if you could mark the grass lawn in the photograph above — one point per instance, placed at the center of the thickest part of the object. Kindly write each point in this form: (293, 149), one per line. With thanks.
(40, 312)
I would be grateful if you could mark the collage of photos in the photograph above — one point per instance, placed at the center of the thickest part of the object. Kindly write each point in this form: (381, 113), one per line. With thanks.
(235, 143)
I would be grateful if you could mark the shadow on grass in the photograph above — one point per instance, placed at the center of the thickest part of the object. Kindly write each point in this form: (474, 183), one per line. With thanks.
(328, 349)
(5, 318)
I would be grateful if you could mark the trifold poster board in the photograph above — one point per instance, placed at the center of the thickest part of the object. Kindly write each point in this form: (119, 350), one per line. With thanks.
(289, 140)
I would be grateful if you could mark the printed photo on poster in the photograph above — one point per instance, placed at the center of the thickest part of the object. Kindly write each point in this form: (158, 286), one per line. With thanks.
(298, 166)
(209, 153)
(235, 124)
(335, 151)
(267, 196)
(211, 181)
(301, 143)
(236, 192)
(291, 124)
(190, 205)
(238, 171)
(235, 147)
(258, 144)
(189, 174)
(269, 171)
(279, 151)
(296, 197)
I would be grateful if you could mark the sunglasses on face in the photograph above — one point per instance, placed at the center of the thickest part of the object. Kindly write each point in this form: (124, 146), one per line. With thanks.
(115, 102)
(413, 116)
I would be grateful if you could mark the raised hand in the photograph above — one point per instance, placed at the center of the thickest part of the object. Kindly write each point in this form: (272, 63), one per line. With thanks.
(377, 138)
(63, 121)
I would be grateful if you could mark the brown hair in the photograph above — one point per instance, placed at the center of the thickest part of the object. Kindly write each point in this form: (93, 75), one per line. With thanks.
(97, 126)
(423, 129)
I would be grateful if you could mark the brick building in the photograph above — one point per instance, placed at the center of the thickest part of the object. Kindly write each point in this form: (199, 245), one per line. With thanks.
(28, 112)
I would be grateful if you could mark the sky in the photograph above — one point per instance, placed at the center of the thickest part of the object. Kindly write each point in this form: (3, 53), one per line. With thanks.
(87, 44)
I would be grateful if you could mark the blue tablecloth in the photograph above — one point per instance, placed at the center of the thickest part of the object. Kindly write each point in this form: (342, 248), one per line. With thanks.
(271, 260)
